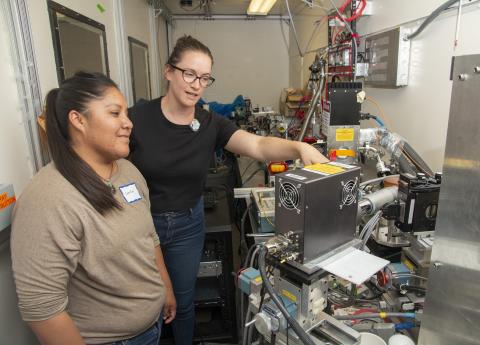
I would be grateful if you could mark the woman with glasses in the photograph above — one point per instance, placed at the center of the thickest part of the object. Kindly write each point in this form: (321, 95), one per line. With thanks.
(172, 144)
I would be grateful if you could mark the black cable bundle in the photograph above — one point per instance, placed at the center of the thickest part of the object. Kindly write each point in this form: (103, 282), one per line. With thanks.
(304, 337)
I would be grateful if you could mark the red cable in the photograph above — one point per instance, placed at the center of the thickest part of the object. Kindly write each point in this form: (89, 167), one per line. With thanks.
(365, 310)
(344, 5)
(358, 12)
(239, 272)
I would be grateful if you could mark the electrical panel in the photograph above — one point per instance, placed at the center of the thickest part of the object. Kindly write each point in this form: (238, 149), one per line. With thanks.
(388, 56)
(318, 205)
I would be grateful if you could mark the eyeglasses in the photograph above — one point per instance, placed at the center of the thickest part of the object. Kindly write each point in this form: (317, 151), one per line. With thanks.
(190, 77)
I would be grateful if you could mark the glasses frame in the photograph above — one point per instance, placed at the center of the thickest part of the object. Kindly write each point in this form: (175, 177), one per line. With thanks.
(211, 79)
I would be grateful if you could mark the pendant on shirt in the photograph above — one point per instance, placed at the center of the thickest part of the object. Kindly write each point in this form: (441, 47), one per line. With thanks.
(195, 125)
(111, 186)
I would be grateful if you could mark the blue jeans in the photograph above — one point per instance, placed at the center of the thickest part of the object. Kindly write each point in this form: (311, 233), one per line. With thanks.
(150, 337)
(181, 236)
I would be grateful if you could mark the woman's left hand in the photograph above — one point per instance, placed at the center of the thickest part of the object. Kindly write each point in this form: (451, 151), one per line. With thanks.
(170, 306)
(310, 155)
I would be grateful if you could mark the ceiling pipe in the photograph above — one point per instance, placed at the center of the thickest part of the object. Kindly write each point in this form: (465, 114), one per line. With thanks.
(227, 17)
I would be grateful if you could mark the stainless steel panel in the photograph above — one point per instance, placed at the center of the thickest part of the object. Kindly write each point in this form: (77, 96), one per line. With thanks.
(452, 311)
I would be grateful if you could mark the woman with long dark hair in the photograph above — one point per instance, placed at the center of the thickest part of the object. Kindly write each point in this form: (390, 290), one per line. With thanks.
(86, 259)
(172, 144)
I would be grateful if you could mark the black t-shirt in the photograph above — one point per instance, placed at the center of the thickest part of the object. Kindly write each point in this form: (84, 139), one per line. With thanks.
(173, 158)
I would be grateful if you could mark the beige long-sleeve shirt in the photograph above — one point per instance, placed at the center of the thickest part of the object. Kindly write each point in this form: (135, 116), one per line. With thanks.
(100, 269)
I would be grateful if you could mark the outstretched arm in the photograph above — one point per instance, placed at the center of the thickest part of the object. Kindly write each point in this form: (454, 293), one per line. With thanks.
(273, 149)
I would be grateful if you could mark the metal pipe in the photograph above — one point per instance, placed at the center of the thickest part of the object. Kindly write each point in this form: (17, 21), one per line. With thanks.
(391, 229)
(316, 98)
(431, 18)
(382, 197)
(408, 159)
(294, 29)
(226, 17)
(265, 234)
(378, 179)
(415, 158)
(208, 10)
(297, 328)
(372, 202)
(244, 325)
(374, 316)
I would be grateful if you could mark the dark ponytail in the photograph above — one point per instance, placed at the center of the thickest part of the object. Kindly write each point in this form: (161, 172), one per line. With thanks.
(74, 94)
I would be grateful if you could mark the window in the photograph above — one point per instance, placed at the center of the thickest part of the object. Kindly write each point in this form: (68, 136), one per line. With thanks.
(140, 69)
(79, 42)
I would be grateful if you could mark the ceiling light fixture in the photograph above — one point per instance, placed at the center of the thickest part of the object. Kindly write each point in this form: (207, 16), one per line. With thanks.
(260, 7)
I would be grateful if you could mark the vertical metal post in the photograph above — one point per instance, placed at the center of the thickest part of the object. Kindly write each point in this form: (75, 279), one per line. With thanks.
(315, 99)
(27, 80)
(123, 56)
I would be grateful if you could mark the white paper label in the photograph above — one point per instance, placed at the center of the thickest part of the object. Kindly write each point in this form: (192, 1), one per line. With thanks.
(130, 193)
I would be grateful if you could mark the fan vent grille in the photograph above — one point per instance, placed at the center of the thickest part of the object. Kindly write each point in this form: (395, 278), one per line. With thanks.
(289, 196)
(349, 192)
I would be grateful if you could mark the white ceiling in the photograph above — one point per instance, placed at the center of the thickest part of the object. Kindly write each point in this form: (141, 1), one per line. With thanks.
(239, 7)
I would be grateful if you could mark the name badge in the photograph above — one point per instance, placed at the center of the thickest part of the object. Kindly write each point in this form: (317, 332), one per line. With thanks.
(130, 193)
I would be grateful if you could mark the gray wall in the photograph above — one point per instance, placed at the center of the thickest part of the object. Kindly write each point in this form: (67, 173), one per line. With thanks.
(138, 18)
(163, 52)
(251, 57)
(311, 37)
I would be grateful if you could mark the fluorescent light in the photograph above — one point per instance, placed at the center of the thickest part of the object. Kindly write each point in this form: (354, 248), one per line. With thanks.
(260, 7)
